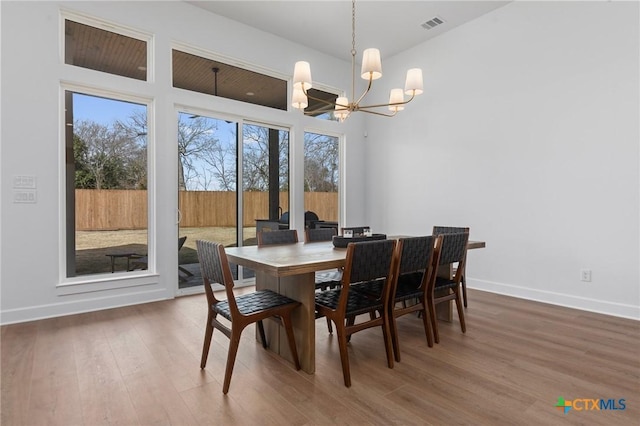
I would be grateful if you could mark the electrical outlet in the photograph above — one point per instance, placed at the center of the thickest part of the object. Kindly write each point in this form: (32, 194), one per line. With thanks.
(585, 275)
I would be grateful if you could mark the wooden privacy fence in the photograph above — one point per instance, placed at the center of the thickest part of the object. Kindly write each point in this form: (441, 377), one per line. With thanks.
(111, 209)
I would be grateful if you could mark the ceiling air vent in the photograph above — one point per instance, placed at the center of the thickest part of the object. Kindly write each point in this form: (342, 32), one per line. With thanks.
(432, 23)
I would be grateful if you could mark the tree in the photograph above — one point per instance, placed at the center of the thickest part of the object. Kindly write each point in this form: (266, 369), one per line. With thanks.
(221, 162)
(103, 156)
(135, 157)
(195, 141)
(320, 163)
(255, 157)
(84, 179)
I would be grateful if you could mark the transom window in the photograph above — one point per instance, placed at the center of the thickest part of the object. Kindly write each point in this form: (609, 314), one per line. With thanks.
(204, 75)
(90, 47)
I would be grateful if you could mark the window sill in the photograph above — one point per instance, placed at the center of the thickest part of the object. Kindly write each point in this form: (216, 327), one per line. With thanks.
(105, 282)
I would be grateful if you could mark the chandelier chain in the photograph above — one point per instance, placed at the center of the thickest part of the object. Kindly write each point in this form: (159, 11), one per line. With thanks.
(353, 28)
(353, 50)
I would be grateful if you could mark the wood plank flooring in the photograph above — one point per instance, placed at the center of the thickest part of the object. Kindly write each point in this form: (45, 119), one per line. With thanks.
(139, 365)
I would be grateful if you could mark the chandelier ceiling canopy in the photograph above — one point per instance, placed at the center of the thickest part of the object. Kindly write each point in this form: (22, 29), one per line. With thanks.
(371, 70)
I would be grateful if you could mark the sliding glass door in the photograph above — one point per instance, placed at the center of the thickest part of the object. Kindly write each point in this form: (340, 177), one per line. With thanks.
(211, 151)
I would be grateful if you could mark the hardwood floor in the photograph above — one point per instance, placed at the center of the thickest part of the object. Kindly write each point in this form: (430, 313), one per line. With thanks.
(139, 365)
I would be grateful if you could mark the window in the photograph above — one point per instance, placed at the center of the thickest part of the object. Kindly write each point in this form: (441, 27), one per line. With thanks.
(198, 74)
(202, 75)
(321, 176)
(106, 184)
(101, 50)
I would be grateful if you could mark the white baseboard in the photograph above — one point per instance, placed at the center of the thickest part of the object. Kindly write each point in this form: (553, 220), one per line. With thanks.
(566, 300)
(33, 313)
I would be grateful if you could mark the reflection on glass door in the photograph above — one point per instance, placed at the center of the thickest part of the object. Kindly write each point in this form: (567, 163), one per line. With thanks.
(207, 189)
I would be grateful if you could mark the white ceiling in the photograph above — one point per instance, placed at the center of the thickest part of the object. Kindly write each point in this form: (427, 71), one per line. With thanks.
(325, 25)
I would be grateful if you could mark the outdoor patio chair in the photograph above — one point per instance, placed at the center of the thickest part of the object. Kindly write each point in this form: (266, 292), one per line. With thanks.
(142, 262)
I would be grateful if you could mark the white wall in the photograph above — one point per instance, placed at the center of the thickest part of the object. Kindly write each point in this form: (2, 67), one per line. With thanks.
(528, 133)
(32, 73)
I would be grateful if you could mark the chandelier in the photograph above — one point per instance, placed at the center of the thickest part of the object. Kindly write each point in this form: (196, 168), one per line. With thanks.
(371, 70)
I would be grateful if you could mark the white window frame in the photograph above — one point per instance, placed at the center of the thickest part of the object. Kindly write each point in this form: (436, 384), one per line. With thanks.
(102, 281)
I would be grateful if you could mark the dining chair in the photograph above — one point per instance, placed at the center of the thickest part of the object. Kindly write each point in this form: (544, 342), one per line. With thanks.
(241, 311)
(283, 236)
(415, 269)
(444, 289)
(366, 262)
(319, 234)
(327, 279)
(438, 230)
(330, 278)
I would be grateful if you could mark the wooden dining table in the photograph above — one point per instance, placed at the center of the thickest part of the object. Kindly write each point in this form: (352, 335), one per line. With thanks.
(289, 269)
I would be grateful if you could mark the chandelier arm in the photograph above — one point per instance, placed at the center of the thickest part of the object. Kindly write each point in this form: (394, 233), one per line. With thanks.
(378, 113)
(355, 103)
(387, 104)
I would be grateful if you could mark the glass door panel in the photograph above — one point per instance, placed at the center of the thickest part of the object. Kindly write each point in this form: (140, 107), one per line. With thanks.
(207, 189)
(265, 180)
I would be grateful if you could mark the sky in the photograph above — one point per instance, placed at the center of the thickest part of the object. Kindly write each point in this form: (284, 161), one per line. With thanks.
(102, 110)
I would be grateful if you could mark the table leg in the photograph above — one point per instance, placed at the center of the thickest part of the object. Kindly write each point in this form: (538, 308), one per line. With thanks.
(301, 288)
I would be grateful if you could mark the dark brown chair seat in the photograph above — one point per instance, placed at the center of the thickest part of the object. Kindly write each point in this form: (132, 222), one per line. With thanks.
(252, 303)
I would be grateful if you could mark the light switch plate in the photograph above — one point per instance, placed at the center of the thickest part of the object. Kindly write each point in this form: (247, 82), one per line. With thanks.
(24, 181)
